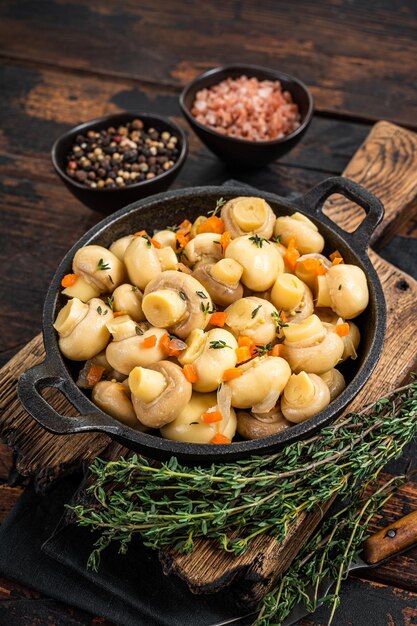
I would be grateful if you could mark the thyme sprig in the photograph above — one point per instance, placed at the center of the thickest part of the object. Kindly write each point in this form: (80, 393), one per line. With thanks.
(173, 504)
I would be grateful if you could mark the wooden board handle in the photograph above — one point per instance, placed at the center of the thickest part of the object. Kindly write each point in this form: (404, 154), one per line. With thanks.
(392, 539)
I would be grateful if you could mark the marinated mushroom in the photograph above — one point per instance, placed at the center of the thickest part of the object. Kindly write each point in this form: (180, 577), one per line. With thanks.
(211, 354)
(142, 262)
(203, 247)
(82, 290)
(128, 298)
(190, 425)
(166, 238)
(177, 302)
(260, 425)
(99, 267)
(113, 398)
(159, 393)
(311, 347)
(244, 215)
(167, 258)
(351, 339)
(253, 317)
(119, 247)
(304, 396)
(309, 266)
(260, 260)
(133, 344)
(221, 280)
(82, 328)
(344, 289)
(302, 229)
(335, 382)
(292, 295)
(262, 379)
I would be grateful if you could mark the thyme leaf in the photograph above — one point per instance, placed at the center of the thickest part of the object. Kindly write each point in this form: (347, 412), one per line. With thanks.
(216, 345)
(255, 311)
(101, 265)
(258, 241)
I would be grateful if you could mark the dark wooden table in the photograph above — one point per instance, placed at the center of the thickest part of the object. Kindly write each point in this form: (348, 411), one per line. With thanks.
(66, 61)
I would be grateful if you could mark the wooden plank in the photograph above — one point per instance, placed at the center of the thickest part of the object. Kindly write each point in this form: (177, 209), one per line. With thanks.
(334, 45)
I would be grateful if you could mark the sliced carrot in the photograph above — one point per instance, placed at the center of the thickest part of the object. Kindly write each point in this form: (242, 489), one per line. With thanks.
(337, 260)
(164, 342)
(155, 243)
(219, 438)
(343, 330)
(292, 254)
(283, 317)
(232, 373)
(321, 269)
(183, 268)
(140, 233)
(182, 237)
(214, 224)
(316, 266)
(225, 239)
(335, 255)
(185, 225)
(119, 313)
(218, 319)
(190, 373)
(210, 417)
(69, 280)
(149, 342)
(276, 350)
(243, 354)
(245, 341)
(94, 374)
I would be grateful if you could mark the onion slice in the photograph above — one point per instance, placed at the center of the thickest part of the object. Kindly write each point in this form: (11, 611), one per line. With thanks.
(224, 402)
(267, 403)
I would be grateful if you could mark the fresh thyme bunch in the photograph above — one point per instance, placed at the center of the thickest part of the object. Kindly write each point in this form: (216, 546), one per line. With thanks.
(173, 504)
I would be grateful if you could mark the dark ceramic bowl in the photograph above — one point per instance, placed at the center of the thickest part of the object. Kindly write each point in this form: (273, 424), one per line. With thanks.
(172, 207)
(110, 200)
(241, 151)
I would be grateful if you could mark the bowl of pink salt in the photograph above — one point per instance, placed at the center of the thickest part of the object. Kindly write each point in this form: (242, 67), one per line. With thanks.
(247, 115)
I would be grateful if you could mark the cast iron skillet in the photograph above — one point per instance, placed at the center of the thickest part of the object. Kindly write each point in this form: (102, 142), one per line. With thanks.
(171, 208)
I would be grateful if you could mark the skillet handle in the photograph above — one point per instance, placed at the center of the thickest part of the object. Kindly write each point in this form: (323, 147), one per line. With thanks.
(29, 390)
(313, 201)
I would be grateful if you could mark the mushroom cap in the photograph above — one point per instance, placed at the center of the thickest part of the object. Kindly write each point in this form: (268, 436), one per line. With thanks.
(252, 317)
(113, 398)
(87, 261)
(129, 298)
(255, 209)
(260, 260)
(169, 404)
(202, 247)
(142, 262)
(188, 426)
(220, 293)
(348, 289)
(90, 335)
(128, 353)
(260, 377)
(190, 287)
(335, 382)
(317, 358)
(296, 406)
(257, 426)
(307, 236)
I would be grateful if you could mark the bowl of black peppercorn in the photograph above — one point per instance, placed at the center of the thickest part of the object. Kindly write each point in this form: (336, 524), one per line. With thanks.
(114, 160)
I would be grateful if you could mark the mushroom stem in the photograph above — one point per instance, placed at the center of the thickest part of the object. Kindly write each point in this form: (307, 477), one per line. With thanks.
(227, 271)
(250, 213)
(299, 389)
(121, 327)
(323, 292)
(146, 384)
(164, 307)
(287, 291)
(69, 316)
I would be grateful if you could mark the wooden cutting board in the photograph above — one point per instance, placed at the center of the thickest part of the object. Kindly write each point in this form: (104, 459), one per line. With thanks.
(386, 164)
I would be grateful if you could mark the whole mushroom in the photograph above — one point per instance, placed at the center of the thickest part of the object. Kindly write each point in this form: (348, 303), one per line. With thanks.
(190, 427)
(159, 393)
(311, 347)
(246, 214)
(203, 247)
(119, 247)
(178, 302)
(129, 347)
(82, 328)
(113, 398)
(302, 229)
(128, 298)
(262, 380)
(211, 354)
(260, 260)
(344, 289)
(221, 280)
(335, 382)
(304, 396)
(252, 317)
(142, 262)
(260, 425)
(99, 267)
